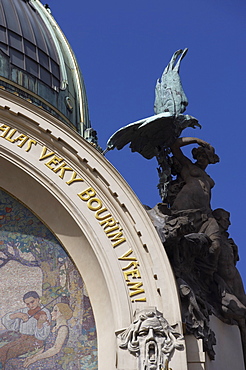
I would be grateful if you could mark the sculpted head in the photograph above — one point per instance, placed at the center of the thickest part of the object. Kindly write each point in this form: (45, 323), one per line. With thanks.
(202, 153)
(222, 217)
(152, 339)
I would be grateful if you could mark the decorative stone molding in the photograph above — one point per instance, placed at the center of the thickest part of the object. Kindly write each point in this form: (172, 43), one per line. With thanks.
(119, 278)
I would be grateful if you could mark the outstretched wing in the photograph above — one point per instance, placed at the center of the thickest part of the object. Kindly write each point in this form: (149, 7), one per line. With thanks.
(123, 136)
(143, 135)
(147, 135)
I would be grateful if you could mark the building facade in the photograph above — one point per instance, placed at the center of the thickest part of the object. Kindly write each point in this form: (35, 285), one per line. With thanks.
(71, 228)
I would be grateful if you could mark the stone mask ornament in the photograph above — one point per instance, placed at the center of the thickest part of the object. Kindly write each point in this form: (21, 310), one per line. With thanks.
(151, 339)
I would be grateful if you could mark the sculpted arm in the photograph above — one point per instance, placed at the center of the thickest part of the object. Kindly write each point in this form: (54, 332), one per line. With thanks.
(183, 141)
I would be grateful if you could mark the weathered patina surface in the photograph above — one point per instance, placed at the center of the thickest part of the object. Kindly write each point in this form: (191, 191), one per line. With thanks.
(194, 235)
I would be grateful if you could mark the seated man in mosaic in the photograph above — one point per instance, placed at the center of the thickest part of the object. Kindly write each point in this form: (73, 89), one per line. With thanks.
(27, 329)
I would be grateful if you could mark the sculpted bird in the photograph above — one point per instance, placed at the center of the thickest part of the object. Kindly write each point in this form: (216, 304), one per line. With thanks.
(150, 135)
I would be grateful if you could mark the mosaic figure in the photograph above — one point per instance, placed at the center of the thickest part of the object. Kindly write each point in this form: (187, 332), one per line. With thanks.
(56, 341)
(27, 328)
(38, 278)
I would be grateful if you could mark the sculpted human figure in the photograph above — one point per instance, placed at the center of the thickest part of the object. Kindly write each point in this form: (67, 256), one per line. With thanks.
(151, 339)
(230, 289)
(27, 328)
(193, 200)
(201, 254)
(231, 286)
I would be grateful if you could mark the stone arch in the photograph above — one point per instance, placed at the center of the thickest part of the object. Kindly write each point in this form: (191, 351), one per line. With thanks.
(30, 175)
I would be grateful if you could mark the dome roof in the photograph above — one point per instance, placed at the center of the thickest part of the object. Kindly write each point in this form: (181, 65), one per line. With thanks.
(37, 63)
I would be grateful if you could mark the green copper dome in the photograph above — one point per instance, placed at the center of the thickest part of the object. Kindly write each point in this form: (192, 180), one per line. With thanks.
(37, 63)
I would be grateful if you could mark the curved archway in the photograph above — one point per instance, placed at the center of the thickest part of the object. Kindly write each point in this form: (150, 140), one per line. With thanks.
(68, 185)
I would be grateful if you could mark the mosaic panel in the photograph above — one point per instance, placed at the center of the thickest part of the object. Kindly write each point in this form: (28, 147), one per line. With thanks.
(46, 316)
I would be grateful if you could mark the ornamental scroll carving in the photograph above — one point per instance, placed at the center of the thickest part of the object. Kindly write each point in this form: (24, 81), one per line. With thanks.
(151, 339)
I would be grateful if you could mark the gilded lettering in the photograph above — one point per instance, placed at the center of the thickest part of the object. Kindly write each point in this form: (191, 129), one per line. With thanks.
(5, 130)
(126, 257)
(112, 229)
(134, 264)
(139, 300)
(117, 238)
(10, 135)
(63, 169)
(30, 143)
(87, 194)
(133, 273)
(110, 222)
(53, 161)
(135, 288)
(44, 155)
(74, 178)
(119, 242)
(101, 211)
(94, 204)
(23, 139)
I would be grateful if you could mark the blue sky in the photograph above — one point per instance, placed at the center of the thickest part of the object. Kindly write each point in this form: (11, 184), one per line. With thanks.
(122, 48)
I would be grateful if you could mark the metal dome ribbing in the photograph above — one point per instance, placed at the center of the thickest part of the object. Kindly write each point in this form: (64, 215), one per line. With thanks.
(37, 63)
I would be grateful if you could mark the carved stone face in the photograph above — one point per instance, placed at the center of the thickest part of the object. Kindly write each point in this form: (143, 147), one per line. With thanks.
(224, 223)
(151, 339)
(151, 336)
(223, 218)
